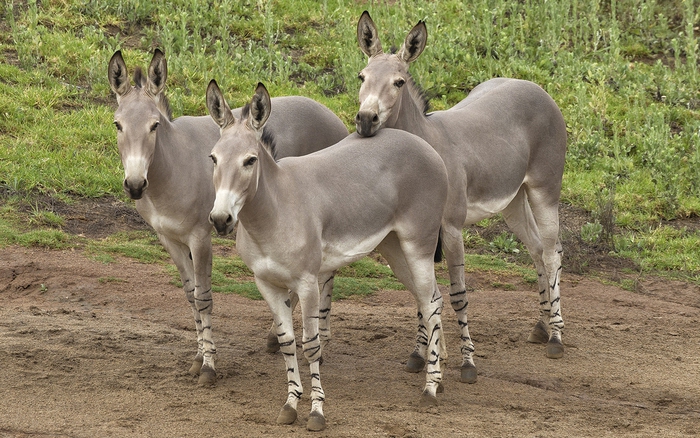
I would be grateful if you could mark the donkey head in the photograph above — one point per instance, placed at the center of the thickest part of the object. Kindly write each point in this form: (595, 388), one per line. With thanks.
(236, 155)
(384, 77)
(141, 110)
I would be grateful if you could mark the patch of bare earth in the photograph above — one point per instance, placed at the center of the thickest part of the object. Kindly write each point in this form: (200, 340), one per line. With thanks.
(90, 349)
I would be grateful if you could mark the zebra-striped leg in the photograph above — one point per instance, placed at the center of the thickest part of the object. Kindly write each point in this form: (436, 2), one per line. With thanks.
(280, 303)
(454, 254)
(273, 345)
(324, 313)
(181, 255)
(309, 299)
(205, 304)
(188, 286)
(203, 300)
(555, 347)
(432, 311)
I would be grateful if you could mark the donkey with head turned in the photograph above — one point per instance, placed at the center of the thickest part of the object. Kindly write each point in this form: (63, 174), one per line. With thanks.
(168, 172)
(303, 217)
(504, 148)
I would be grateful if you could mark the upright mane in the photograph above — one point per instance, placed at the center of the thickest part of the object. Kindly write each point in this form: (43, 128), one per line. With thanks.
(268, 138)
(161, 100)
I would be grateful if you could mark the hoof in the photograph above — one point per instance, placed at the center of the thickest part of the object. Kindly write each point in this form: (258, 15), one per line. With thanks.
(207, 376)
(316, 422)
(468, 374)
(428, 400)
(415, 363)
(288, 415)
(440, 388)
(196, 365)
(539, 334)
(273, 345)
(555, 349)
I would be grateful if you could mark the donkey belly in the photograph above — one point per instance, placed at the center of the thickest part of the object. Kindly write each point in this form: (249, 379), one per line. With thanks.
(480, 209)
(343, 251)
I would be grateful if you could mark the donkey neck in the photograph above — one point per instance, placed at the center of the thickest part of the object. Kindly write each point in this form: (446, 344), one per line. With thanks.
(409, 114)
(260, 214)
(167, 160)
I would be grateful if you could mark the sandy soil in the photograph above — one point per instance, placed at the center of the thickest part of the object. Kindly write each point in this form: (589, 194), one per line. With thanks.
(89, 349)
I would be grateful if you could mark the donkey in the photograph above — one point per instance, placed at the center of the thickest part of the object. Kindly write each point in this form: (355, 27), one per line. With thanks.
(168, 172)
(504, 147)
(303, 217)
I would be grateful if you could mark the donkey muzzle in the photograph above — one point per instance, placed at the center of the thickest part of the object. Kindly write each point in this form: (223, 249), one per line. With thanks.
(223, 222)
(135, 187)
(366, 123)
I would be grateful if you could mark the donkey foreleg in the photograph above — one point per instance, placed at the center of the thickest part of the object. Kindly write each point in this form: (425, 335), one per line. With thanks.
(204, 304)
(180, 253)
(309, 299)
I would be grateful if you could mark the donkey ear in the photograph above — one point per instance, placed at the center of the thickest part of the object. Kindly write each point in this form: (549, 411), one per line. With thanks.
(414, 43)
(367, 36)
(117, 75)
(217, 106)
(157, 73)
(260, 106)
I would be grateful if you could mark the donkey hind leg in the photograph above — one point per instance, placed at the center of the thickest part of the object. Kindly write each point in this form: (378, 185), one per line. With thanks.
(538, 228)
(453, 245)
(279, 301)
(181, 257)
(419, 277)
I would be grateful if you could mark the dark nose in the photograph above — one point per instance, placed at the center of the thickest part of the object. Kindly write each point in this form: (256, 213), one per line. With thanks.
(135, 187)
(222, 222)
(367, 123)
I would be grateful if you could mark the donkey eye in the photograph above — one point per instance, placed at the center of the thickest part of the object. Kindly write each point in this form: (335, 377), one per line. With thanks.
(361, 77)
(250, 161)
(119, 126)
(399, 83)
(154, 126)
(213, 158)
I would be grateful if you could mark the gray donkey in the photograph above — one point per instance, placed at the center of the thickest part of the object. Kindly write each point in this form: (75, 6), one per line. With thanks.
(504, 146)
(304, 217)
(169, 174)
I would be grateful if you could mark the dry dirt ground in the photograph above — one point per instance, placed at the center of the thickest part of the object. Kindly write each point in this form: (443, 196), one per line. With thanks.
(89, 349)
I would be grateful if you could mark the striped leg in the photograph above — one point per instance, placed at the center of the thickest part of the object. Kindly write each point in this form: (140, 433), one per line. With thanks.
(202, 259)
(309, 299)
(537, 225)
(418, 275)
(324, 322)
(431, 310)
(180, 254)
(326, 287)
(453, 246)
(280, 304)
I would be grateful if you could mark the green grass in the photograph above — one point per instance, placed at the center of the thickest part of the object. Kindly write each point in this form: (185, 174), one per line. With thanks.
(624, 73)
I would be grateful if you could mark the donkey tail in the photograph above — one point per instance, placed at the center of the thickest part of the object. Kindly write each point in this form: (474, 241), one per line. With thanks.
(438, 248)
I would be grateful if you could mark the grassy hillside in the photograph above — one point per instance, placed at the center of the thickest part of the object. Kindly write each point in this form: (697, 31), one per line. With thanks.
(624, 73)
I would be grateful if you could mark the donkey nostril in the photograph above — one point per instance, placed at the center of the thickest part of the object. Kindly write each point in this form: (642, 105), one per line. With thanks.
(229, 220)
(375, 119)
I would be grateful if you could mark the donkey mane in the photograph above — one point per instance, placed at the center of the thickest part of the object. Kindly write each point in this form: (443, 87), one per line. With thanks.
(268, 138)
(416, 91)
(161, 99)
(418, 94)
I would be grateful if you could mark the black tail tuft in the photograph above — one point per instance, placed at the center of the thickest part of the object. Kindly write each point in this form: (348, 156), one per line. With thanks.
(438, 249)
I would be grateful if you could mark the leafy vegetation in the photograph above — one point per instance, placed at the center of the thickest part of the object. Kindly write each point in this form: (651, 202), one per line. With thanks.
(624, 73)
